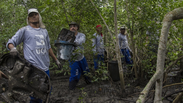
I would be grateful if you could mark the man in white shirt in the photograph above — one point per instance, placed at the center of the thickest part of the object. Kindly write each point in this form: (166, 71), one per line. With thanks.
(123, 45)
(98, 45)
(36, 44)
(79, 65)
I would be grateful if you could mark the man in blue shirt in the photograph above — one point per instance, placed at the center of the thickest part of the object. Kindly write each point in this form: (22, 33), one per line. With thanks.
(36, 44)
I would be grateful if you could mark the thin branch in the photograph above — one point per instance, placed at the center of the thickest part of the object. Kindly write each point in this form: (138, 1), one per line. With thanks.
(103, 20)
(25, 4)
(65, 11)
(167, 69)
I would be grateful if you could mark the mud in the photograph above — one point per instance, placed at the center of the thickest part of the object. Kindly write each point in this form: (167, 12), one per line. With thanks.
(102, 92)
(105, 91)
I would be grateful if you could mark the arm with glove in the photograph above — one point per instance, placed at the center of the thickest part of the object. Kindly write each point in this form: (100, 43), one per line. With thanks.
(54, 58)
(13, 50)
(15, 41)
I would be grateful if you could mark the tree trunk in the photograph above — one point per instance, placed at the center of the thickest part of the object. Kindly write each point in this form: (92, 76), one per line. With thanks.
(117, 50)
(119, 64)
(132, 42)
(169, 17)
(178, 98)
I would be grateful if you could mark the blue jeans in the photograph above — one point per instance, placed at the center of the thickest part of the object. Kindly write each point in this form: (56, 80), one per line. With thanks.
(78, 68)
(127, 56)
(34, 100)
(97, 59)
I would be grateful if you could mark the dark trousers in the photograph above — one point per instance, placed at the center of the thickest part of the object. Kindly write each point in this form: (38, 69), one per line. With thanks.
(34, 100)
(97, 60)
(127, 56)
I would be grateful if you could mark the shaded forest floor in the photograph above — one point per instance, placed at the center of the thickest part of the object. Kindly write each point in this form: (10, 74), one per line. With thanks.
(108, 91)
(102, 92)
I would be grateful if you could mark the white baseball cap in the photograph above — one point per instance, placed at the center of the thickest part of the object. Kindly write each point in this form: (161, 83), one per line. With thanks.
(122, 27)
(32, 10)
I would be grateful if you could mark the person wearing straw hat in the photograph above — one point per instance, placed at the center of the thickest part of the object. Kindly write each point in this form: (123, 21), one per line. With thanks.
(98, 45)
(79, 64)
(36, 44)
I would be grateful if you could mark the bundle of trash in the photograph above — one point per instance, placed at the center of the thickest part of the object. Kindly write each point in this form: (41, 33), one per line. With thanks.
(23, 80)
(66, 35)
(65, 44)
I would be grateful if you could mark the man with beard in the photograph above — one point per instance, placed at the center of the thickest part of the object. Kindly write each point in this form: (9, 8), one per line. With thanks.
(79, 64)
(36, 44)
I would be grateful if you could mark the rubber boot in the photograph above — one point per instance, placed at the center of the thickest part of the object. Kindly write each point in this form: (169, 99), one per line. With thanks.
(72, 84)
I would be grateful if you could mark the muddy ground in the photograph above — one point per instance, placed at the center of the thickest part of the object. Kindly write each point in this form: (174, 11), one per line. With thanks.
(106, 91)
(103, 92)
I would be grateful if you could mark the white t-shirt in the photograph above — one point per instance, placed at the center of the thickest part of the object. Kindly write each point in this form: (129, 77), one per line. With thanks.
(98, 44)
(36, 45)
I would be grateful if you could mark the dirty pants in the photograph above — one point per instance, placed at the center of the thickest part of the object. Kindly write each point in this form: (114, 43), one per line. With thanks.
(98, 60)
(34, 100)
(127, 56)
(78, 68)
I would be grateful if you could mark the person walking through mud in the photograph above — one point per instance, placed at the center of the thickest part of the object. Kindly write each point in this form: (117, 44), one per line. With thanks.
(123, 45)
(79, 64)
(36, 44)
(98, 45)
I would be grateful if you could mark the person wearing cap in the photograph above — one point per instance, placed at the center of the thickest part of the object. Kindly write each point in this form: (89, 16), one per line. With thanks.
(123, 45)
(36, 43)
(98, 47)
(79, 64)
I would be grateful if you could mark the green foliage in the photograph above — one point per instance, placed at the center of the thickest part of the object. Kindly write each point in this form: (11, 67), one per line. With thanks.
(139, 16)
(83, 95)
(100, 74)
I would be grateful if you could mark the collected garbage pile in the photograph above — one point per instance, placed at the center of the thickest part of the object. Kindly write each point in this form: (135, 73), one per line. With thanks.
(66, 35)
(24, 80)
(65, 44)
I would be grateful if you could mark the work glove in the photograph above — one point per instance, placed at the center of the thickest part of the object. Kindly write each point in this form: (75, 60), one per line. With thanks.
(13, 52)
(58, 64)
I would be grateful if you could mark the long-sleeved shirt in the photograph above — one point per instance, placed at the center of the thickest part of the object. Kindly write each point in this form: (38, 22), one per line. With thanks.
(36, 45)
(98, 44)
(123, 42)
(79, 50)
